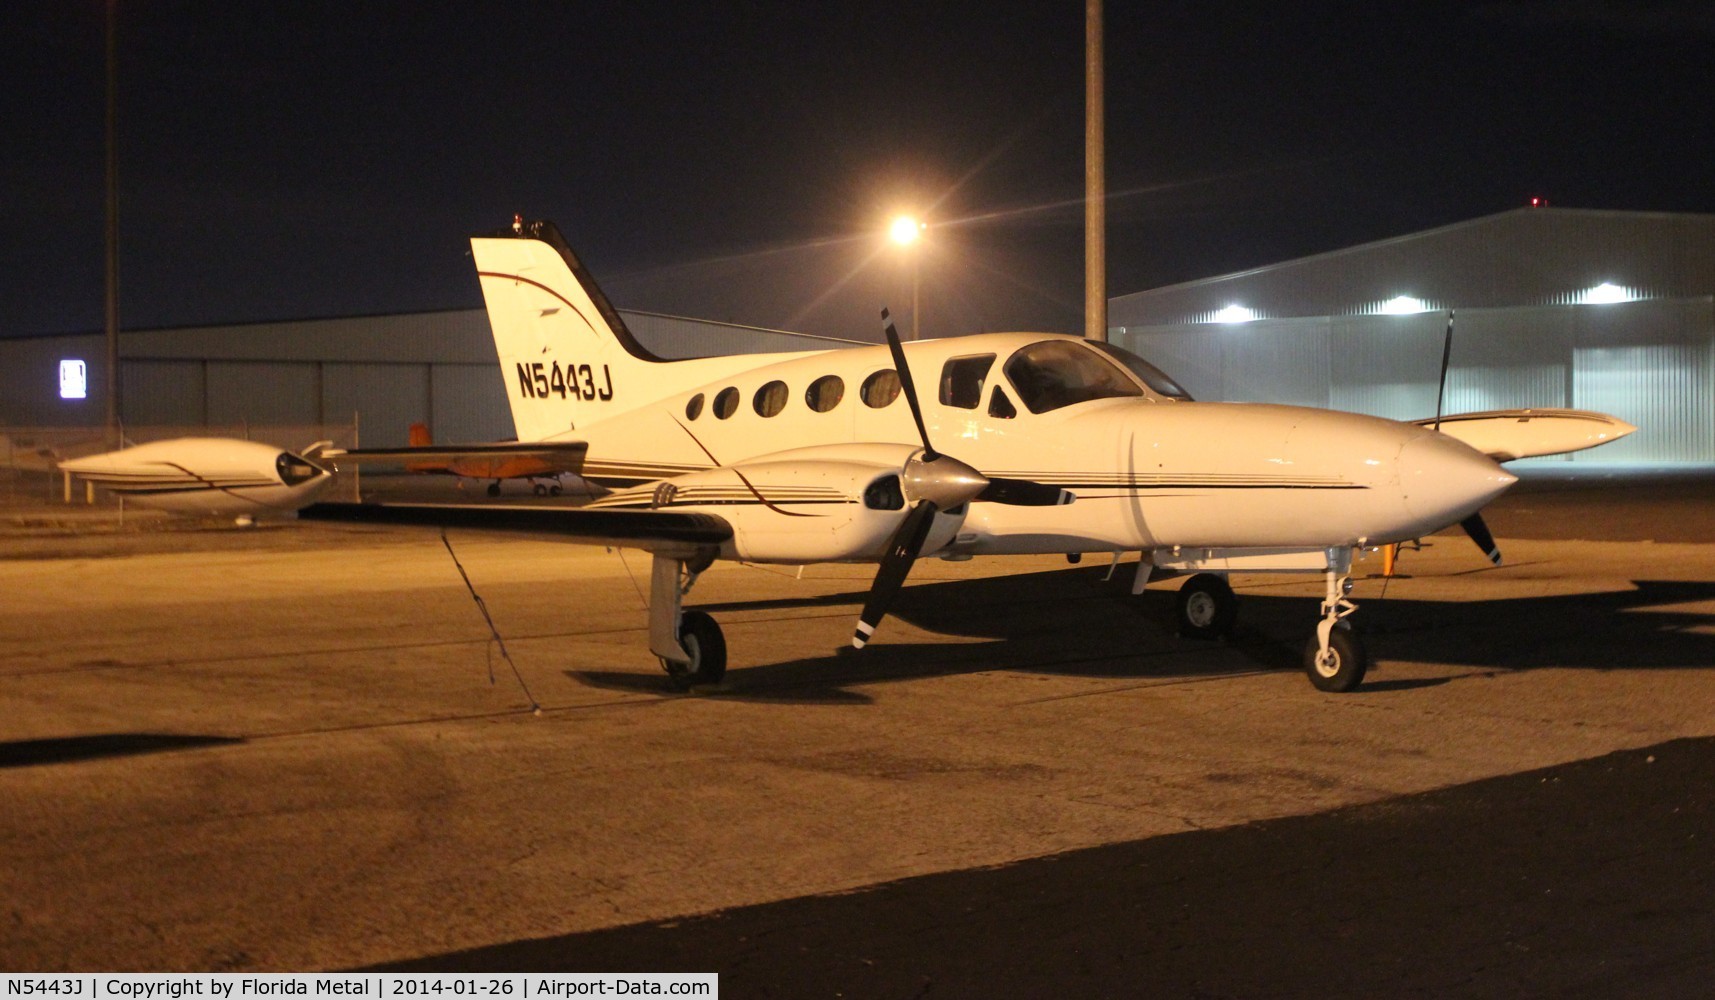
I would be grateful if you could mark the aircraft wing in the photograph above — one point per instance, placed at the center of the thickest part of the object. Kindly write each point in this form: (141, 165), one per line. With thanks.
(1504, 435)
(569, 454)
(652, 530)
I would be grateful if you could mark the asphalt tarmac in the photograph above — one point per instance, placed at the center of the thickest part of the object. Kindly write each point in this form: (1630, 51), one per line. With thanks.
(299, 747)
(1591, 879)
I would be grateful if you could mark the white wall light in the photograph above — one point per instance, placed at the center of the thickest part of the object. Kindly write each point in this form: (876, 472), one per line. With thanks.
(1402, 305)
(74, 379)
(1235, 314)
(1606, 293)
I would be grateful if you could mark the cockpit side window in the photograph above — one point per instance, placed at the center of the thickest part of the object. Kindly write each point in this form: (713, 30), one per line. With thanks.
(1158, 381)
(1056, 373)
(962, 380)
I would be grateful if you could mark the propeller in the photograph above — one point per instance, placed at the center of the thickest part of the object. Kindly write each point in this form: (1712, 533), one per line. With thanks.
(1446, 356)
(1473, 525)
(933, 482)
(1479, 533)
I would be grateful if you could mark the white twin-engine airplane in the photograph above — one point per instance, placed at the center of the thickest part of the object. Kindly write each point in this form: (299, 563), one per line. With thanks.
(831, 456)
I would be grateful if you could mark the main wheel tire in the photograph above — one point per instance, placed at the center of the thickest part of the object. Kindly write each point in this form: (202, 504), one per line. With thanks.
(1344, 668)
(1206, 608)
(701, 636)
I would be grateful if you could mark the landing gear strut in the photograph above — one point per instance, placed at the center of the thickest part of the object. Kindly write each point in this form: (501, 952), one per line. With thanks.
(689, 643)
(1334, 659)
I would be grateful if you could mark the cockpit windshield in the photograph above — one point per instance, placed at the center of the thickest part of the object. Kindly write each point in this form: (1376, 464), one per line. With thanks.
(1056, 373)
(1158, 381)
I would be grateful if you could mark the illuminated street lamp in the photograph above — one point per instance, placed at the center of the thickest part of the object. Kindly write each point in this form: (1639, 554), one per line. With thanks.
(906, 231)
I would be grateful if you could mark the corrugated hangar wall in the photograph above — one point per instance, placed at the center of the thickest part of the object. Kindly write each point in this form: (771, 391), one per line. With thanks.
(1608, 311)
(382, 373)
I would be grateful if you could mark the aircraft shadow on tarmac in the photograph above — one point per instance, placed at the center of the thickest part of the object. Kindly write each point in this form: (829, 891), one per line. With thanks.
(1072, 622)
(1587, 879)
(69, 749)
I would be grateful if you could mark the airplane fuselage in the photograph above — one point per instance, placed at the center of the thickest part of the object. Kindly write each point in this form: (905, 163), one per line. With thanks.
(1149, 471)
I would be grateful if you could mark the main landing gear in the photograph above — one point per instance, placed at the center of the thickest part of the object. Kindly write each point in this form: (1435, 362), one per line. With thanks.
(689, 643)
(1334, 658)
(1206, 608)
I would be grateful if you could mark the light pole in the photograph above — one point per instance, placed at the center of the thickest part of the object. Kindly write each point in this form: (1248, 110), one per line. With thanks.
(906, 231)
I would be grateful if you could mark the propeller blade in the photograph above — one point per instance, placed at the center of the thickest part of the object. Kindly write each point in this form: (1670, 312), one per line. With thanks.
(906, 385)
(1479, 533)
(945, 480)
(1024, 493)
(901, 553)
(1446, 356)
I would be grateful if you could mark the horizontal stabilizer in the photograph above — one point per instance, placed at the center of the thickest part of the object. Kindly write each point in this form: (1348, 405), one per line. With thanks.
(1505, 435)
(569, 452)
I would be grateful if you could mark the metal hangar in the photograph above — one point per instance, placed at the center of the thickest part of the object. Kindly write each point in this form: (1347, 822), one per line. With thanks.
(1597, 310)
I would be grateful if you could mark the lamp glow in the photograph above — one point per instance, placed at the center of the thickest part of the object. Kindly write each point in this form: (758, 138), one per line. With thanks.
(1235, 314)
(905, 230)
(1403, 305)
(1606, 293)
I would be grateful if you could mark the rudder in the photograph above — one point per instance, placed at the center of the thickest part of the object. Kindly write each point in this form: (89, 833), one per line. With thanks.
(566, 356)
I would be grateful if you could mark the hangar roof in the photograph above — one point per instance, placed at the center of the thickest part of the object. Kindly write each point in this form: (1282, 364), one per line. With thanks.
(459, 336)
(1524, 257)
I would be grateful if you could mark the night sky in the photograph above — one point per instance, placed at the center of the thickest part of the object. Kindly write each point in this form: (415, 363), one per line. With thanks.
(739, 162)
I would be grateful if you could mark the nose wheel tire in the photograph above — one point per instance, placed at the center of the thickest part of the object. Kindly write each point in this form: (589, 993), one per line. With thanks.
(1206, 608)
(701, 636)
(1342, 669)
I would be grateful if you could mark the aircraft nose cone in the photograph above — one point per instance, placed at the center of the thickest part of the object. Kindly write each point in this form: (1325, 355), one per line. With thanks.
(1445, 480)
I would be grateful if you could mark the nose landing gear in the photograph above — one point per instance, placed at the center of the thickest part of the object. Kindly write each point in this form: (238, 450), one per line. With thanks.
(1334, 659)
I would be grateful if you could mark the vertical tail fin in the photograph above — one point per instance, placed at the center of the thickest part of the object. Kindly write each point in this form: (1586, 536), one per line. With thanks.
(565, 354)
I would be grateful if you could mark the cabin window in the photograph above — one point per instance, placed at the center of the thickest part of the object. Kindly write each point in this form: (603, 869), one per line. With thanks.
(825, 393)
(1159, 382)
(1056, 373)
(962, 380)
(1000, 406)
(880, 388)
(694, 408)
(770, 399)
(726, 402)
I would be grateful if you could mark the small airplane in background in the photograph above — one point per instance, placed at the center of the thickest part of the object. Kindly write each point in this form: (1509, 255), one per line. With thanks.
(542, 470)
(209, 477)
(813, 457)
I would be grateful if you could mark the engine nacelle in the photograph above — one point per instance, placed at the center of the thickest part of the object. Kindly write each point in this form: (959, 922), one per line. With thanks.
(206, 476)
(834, 504)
